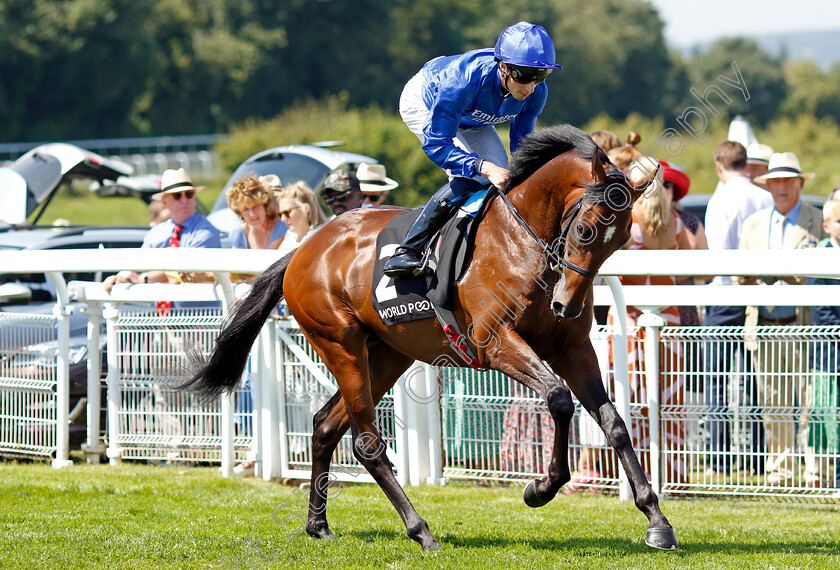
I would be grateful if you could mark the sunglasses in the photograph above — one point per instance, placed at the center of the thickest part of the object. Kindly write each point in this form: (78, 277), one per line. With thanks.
(187, 193)
(528, 74)
(331, 199)
(668, 185)
(373, 197)
(288, 212)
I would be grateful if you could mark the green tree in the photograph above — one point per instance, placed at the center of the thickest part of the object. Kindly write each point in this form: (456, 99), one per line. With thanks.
(71, 68)
(811, 91)
(761, 72)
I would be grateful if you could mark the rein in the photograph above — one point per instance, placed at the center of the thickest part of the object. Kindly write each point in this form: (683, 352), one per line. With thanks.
(556, 259)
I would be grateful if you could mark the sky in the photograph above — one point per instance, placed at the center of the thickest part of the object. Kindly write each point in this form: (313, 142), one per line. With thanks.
(688, 22)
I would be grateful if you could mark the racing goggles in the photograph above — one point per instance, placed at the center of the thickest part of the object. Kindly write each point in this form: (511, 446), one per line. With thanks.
(527, 74)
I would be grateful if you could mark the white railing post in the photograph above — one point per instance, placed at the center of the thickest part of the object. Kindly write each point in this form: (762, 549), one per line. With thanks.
(62, 312)
(269, 441)
(111, 314)
(280, 379)
(622, 376)
(653, 323)
(93, 447)
(227, 400)
(417, 420)
(401, 431)
(433, 418)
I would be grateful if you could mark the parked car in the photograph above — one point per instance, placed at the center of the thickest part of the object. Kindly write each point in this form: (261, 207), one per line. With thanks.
(34, 294)
(29, 182)
(309, 163)
(34, 178)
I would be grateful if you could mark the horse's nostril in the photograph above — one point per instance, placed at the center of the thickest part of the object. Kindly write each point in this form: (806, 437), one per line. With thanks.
(557, 308)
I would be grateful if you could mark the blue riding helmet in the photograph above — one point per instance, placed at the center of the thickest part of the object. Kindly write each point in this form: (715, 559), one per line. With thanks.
(526, 45)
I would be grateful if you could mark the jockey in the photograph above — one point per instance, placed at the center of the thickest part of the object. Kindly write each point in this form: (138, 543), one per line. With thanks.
(453, 105)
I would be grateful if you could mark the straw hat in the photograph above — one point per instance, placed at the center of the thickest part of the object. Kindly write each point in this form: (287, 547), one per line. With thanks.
(272, 181)
(174, 181)
(784, 165)
(759, 153)
(372, 178)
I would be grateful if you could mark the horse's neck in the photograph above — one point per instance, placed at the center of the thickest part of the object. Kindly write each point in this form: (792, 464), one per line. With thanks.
(541, 209)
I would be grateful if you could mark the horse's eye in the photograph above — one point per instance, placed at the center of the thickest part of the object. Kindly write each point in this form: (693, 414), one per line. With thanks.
(583, 233)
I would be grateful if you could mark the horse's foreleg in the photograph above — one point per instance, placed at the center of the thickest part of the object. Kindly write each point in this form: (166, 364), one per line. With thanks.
(517, 359)
(585, 380)
(561, 407)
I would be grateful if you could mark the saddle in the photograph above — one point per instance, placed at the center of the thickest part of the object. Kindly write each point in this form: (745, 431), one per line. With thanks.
(408, 298)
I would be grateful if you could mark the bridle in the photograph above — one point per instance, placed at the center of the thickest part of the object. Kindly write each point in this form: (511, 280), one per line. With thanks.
(555, 255)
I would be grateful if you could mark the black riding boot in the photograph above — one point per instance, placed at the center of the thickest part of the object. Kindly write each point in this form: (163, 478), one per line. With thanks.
(406, 259)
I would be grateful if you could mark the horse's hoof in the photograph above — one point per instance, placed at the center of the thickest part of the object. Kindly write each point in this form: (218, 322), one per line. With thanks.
(530, 496)
(321, 532)
(661, 538)
(431, 546)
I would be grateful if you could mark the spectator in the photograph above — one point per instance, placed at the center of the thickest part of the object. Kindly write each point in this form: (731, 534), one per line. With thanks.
(185, 228)
(676, 184)
(622, 156)
(758, 157)
(825, 358)
(300, 210)
(374, 184)
(253, 200)
(157, 212)
(255, 204)
(272, 181)
(453, 105)
(733, 202)
(607, 140)
(657, 226)
(789, 224)
(341, 192)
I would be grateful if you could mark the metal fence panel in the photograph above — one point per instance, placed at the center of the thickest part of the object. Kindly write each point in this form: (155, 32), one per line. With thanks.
(304, 396)
(28, 385)
(781, 414)
(156, 421)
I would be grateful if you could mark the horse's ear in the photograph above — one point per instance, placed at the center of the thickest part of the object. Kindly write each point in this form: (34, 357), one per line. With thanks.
(598, 172)
(640, 173)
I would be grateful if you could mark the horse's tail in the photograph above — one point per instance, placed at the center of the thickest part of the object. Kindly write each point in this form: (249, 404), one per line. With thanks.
(221, 373)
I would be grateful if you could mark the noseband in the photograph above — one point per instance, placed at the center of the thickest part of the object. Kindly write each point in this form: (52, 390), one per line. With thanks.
(556, 258)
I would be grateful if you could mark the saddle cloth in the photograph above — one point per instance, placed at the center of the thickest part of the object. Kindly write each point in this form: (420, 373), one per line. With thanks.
(410, 298)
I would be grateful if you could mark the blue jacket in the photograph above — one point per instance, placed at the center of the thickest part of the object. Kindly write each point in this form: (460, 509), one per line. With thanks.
(463, 92)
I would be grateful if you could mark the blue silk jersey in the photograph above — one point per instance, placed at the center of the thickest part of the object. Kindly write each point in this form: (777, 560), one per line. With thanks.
(465, 92)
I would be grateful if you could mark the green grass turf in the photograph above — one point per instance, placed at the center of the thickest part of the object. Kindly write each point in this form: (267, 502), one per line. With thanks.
(140, 516)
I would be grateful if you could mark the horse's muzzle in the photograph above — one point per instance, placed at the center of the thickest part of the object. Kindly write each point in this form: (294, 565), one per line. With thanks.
(560, 310)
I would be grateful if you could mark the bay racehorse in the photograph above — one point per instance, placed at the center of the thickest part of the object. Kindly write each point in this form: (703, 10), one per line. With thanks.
(525, 299)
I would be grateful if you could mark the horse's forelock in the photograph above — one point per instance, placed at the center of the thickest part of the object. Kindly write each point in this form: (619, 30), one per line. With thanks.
(537, 148)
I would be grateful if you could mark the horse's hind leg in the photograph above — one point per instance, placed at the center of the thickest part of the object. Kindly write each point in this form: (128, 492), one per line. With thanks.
(329, 425)
(584, 378)
(348, 361)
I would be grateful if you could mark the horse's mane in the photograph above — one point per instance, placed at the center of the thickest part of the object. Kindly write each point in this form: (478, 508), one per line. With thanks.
(539, 147)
